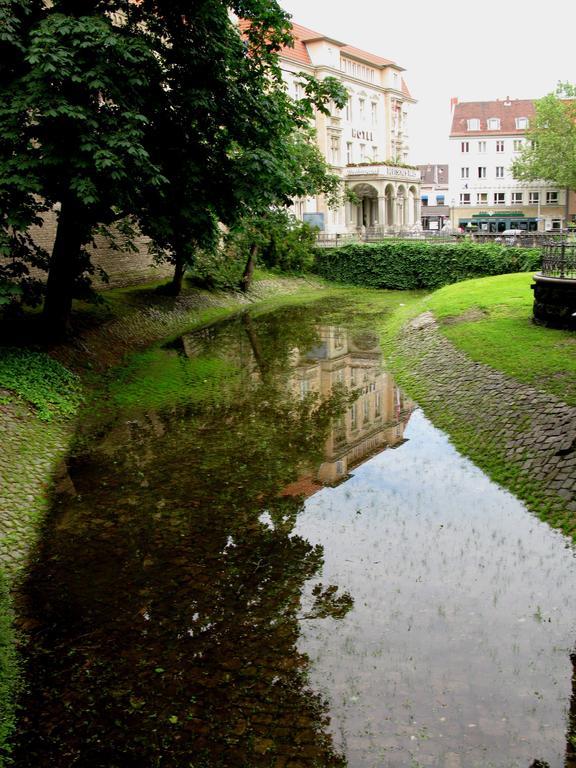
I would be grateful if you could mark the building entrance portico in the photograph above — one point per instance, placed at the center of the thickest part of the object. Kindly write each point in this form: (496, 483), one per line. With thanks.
(382, 203)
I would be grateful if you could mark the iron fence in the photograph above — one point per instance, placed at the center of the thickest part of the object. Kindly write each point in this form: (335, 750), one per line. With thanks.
(559, 259)
(519, 238)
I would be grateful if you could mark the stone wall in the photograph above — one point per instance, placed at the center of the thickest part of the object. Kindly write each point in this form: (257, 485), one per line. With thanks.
(123, 266)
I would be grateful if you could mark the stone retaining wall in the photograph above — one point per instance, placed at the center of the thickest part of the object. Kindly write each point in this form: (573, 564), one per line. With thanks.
(124, 267)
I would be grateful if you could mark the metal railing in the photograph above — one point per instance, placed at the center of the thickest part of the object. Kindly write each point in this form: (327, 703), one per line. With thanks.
(559, 259)
(521, 238)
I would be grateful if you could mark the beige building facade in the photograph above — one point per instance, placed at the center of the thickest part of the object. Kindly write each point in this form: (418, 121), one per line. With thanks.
(366, 143)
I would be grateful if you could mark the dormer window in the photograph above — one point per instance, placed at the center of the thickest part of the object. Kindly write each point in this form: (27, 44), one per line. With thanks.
(494, 124)
(474, 124)
(522, 122)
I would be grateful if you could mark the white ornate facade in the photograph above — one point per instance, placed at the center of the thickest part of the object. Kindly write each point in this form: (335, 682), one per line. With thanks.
(366, 143)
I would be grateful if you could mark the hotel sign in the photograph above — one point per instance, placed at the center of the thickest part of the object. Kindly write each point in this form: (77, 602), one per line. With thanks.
(366, 135)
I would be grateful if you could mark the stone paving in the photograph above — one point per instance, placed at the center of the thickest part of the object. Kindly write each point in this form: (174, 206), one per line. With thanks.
(30, 452)
(533, 432)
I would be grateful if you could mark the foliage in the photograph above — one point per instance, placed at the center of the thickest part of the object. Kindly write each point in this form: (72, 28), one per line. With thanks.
(41, 380)
(407, 265)
(285, 244)
(9, 671)
(551, 151)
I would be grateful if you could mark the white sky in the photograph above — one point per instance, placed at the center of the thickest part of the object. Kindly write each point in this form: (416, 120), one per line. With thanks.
(476, 51)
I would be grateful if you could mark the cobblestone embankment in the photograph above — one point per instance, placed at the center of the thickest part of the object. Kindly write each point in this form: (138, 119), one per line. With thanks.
(523, 437)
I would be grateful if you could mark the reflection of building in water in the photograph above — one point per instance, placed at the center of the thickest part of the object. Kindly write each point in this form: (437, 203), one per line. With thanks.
(377, 418)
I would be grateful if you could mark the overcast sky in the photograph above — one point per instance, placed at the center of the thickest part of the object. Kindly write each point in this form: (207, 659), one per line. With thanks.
(475, 51)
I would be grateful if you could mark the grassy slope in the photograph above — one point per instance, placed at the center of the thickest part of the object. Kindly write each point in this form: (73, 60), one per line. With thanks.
(490, 319)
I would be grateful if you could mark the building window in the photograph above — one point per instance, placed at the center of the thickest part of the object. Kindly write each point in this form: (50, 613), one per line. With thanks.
(374, 108)
(482, 198)
(348, 152)
(362, 152)
(533, 198)
(378, 405)
(499, 146)
(349, 109)
(335, 150)
(482, 172)
(464, 173)
(518, 144)
(440, 199)
(493, 123)
(521, 123)
(374, 153)
(556, 223)
(362, 104)
(499, 198)
(424, 200)
(517, 198)
(474, 124)
(551, 198)
(482, 146)
(465, 198)
(465, 146)
(499, 171)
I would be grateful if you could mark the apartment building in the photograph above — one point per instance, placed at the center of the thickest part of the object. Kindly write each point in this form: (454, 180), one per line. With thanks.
(485, 138)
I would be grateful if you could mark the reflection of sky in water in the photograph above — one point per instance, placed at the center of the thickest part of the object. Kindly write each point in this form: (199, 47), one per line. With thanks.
(457, 650)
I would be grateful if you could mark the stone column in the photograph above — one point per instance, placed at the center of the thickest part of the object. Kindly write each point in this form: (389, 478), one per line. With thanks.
(382, 211)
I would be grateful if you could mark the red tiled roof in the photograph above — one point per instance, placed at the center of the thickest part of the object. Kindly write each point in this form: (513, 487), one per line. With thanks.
(302, 35)
(365, 56)
(507, 110)
(405, 90)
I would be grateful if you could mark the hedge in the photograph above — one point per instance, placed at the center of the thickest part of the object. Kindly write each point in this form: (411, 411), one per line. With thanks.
(408, 265)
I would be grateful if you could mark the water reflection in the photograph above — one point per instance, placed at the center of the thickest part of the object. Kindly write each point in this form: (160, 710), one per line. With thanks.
(165, 606)
(198, 556)
(457, 651)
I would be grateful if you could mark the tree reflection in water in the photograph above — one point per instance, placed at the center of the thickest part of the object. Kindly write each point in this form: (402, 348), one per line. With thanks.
(165, 602)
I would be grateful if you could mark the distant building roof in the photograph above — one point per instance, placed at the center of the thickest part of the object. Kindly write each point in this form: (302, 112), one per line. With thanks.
(506, 110)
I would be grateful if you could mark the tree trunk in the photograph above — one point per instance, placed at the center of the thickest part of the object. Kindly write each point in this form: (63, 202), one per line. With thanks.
(65, 267)
(246, 280)
(175, 287)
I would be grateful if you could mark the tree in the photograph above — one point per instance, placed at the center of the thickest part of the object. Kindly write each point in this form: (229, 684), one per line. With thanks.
(154, 110)
(259, 149)
(73, 114)
(550, 154)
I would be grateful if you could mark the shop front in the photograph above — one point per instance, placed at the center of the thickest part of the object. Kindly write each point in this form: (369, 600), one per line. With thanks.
(493, 223)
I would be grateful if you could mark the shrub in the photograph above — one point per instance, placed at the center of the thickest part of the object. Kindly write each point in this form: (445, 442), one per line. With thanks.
(44, 382)
(406, 265)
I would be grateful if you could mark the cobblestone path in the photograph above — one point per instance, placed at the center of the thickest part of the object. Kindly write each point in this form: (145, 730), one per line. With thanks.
(532, 431)
(30, 451)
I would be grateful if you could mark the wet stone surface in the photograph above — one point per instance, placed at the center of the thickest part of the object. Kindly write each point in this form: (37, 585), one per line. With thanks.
(266, 574)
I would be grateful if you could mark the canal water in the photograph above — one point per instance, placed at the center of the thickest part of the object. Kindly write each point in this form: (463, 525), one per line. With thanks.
(264, 554)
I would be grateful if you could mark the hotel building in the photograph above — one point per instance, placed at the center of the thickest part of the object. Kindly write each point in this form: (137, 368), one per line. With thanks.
(366, 143)
(485, 138)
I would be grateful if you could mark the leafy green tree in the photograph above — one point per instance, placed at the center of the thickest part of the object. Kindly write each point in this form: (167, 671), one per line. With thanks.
(157, 110)
(551, 152)
(229, 138)
(73, 118)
